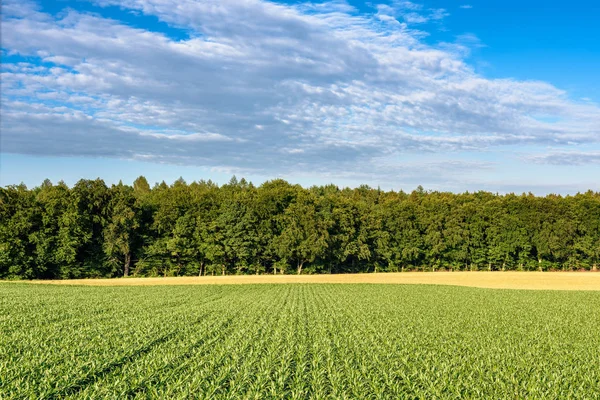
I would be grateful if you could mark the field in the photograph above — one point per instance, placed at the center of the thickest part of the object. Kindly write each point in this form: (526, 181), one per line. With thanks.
(297, 341)
(494, 280)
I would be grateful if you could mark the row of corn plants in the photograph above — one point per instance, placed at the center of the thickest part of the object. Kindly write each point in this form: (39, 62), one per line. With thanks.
(297, 341)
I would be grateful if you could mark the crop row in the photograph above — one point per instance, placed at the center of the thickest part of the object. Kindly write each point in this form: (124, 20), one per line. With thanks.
(297, 341)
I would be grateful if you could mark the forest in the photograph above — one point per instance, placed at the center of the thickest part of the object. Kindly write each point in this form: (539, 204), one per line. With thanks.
(92, 230)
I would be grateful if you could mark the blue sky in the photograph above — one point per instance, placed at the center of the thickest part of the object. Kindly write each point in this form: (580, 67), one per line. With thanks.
(452, 95)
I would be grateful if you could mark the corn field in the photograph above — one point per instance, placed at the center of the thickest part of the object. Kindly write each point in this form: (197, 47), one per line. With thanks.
(297, 341)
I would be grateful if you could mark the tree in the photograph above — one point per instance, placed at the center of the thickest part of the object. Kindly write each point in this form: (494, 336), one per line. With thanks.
(19, 219)
(89, 208)
(587, 239)
(56, 232)
(304, 236)
(121, 228)
(55, 249)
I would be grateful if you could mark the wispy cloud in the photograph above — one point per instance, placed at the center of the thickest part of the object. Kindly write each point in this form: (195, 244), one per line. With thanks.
(261, 86)
(567, 158)
(466, 6)
(409, 12)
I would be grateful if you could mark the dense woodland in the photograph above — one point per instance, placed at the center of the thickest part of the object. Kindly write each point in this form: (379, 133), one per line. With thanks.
(92, 230)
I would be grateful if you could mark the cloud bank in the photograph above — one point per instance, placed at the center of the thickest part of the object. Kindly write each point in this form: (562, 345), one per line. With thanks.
(260, 87)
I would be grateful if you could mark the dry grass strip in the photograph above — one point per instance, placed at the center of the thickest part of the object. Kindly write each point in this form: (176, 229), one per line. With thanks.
(494, 280)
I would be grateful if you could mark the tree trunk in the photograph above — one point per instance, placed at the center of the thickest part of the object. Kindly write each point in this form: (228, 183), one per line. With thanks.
(200, 273)
(300, 263)
(127, 264)
(223, 269)
(594, 267)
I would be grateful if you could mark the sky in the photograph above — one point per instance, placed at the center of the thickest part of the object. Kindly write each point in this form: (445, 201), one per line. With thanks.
(453, 95)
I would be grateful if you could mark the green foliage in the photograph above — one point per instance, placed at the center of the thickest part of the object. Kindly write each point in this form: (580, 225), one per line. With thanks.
(303, 233)
(297, 341)
(90, 230)
(120, 229)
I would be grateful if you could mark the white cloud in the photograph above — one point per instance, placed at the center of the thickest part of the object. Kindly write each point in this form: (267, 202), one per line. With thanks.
(466, 6)
(411, 13)
(267, 87)
(408, 5)
(438, 14)
(567, 158)
(415, 18)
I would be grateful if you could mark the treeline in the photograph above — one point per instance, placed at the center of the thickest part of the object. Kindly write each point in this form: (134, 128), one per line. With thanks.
(91, 230)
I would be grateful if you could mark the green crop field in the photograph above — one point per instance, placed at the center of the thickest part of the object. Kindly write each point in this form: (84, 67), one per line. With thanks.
(297, 341)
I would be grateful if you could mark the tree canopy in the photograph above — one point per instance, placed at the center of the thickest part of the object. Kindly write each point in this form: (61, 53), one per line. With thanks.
(92, 230)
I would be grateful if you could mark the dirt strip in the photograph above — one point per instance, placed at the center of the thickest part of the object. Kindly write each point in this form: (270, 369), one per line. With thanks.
(495, 280)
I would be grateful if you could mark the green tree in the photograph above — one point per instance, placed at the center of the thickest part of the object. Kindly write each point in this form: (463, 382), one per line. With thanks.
(304, 236)
(121, 228)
